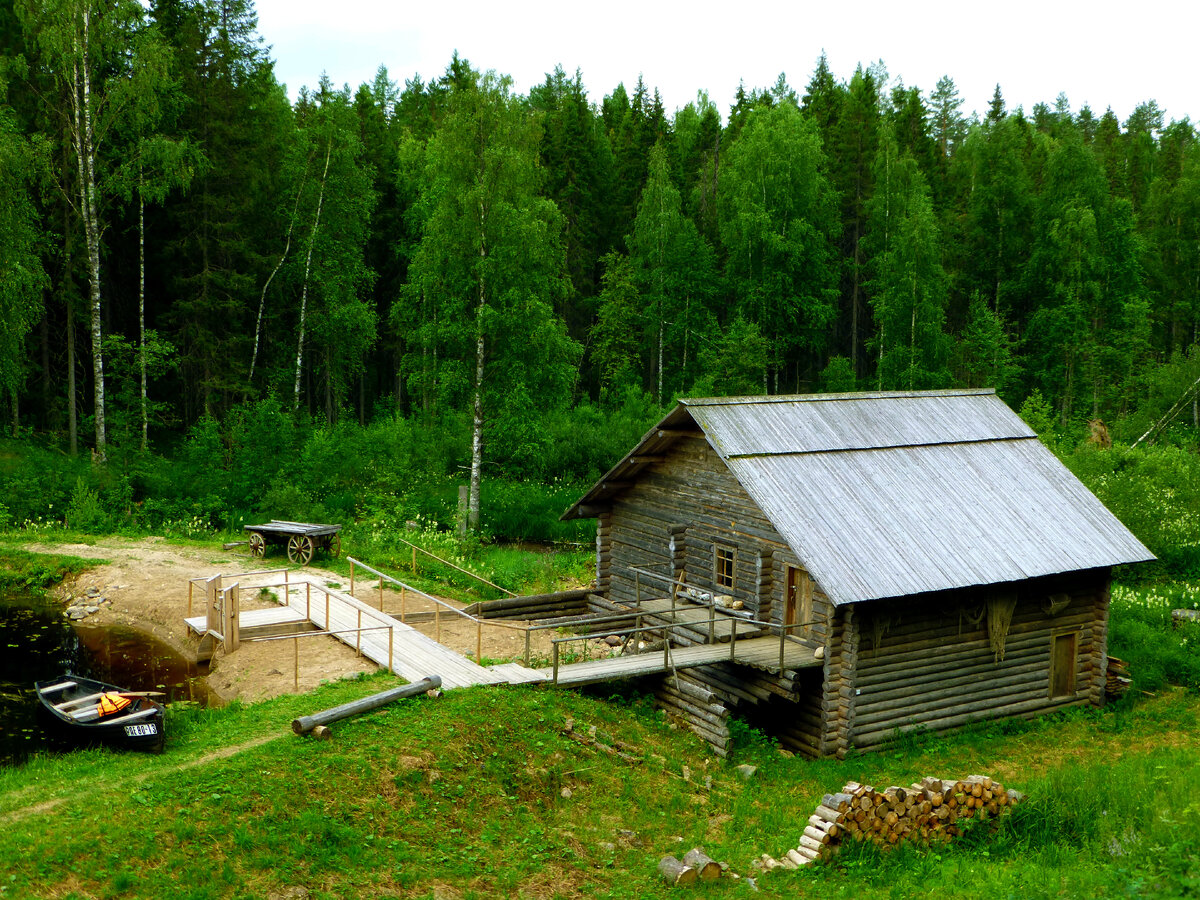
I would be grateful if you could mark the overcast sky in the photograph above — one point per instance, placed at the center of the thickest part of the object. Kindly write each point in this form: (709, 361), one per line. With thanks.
(1102, 53)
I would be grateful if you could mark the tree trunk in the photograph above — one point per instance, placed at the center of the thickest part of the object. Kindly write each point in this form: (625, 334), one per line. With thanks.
(312, 239)
(262, 300)
(81, 102)
(72, 412)
(328, 387)
(477, 432)
(44, 334)
(142, 311)
(477, 422)
(660, 353)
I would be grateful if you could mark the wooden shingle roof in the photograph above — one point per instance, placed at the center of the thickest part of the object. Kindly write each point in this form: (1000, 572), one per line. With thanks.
(893, 494)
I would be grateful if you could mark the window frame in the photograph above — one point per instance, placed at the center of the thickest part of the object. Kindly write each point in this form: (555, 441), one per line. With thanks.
(727, 554)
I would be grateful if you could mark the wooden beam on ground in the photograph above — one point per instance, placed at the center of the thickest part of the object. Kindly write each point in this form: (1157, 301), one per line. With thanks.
(305, 724)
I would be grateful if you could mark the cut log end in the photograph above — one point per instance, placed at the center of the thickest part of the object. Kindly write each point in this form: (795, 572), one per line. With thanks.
(675, 871)
(707, 868)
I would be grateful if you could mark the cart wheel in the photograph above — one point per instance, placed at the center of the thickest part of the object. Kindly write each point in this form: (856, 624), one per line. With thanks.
(335, 545)
(258, 547)
(300, 549)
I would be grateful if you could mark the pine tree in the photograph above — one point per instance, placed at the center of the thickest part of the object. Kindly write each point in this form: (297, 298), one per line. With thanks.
(908, 284)
(22, 278)
(230, 230)
(853, 147)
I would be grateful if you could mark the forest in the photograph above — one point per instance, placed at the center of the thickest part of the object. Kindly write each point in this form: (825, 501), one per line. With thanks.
(217, 300)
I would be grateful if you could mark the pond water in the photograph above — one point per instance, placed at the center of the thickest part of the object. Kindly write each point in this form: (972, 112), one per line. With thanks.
(37, 642)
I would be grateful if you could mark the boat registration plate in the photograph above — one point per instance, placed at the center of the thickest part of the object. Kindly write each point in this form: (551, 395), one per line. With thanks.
(146, 728)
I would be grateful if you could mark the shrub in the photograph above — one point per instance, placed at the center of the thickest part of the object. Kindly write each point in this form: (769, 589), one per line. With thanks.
(84, 512)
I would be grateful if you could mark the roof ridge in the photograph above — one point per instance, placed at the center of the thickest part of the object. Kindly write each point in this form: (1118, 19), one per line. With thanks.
(764, 454)
(825, 398)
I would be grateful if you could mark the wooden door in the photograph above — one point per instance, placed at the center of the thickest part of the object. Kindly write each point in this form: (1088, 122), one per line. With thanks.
(797, 601)
(1063, 659)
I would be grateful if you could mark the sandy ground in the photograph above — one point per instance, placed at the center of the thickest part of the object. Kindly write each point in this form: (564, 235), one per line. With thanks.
(146, 585)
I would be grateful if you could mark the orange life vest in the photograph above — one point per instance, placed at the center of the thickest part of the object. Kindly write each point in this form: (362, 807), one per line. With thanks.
(112, 702)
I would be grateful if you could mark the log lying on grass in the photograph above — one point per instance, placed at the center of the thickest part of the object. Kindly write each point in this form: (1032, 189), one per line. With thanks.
(934, 811)
(706, 867)
(675, 871)
(305, 724)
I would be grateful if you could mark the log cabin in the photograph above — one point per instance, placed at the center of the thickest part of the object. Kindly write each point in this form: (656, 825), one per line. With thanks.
(943, 564)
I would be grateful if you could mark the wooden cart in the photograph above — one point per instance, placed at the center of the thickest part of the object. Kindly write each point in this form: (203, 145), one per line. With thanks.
(302, 539)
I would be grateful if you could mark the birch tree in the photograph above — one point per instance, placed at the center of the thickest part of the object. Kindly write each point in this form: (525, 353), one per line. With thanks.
(336, 314)
(101, 64)
(778, 224)
(491, 264)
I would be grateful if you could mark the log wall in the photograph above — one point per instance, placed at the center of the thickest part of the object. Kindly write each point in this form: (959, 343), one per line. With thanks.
(928, 664)
(671, 519)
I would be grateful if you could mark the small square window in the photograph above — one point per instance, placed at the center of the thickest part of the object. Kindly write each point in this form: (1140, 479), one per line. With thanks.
(723, 562)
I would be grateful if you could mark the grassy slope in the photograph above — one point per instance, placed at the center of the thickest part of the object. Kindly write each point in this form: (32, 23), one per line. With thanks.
(480, 794)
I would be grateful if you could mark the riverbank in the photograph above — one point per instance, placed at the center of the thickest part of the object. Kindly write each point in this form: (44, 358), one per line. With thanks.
(143, 584)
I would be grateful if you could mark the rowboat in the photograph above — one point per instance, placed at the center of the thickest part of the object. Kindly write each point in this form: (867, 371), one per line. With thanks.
(86, 712)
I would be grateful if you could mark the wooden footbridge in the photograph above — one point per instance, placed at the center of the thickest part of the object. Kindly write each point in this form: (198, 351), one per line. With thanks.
(759, 652)
(308, 607)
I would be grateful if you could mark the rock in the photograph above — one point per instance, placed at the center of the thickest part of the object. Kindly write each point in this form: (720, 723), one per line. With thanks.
(75, 613)
(607, 846)
(91, 610)
(274, 672)
(746, 771)
(819, 653)
(93, 591)
(613, 641)
(565, 793)
(629, 837)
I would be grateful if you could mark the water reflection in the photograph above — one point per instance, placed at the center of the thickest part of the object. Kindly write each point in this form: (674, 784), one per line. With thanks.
(36, 642)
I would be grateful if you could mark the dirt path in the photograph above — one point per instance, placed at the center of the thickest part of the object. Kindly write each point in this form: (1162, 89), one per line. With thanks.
(144, 585)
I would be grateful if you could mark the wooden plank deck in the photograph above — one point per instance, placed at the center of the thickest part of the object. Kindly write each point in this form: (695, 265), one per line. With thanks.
(761, 653)
(257, 622)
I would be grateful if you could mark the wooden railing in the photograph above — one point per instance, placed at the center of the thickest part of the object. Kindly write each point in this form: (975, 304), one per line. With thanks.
(444, 562)
(438, 606)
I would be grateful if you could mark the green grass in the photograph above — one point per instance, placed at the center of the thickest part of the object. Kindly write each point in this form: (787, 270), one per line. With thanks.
(480, 794)
(1142, 633)
(22, 570)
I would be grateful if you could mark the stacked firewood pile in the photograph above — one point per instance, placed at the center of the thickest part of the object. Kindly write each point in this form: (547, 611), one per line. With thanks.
(934, 811)
(1117, 681)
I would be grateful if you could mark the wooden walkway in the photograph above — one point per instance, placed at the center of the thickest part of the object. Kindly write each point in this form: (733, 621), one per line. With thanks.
(409, 653)
(694, 616)
(412, 654)
(760, 652)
